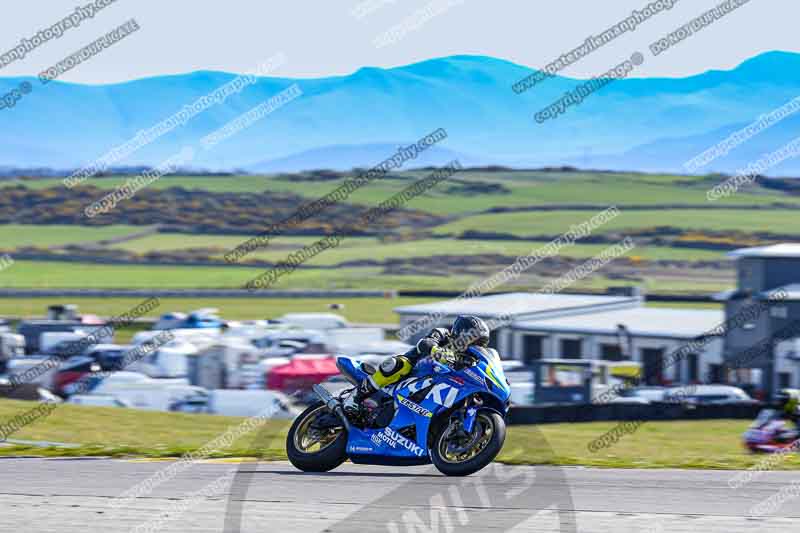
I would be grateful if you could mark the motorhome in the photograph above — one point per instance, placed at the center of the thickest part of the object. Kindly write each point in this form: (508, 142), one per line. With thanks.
(168, 361)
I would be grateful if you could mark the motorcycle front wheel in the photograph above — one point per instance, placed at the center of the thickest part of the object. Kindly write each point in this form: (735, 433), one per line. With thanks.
(317, 440)
(457, 453)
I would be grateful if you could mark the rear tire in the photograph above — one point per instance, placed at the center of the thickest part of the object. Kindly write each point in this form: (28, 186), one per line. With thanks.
(323, 460)
(488, 419)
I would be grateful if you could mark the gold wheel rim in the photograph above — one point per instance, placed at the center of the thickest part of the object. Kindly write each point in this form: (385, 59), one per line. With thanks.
(485, 429)
(306, 438)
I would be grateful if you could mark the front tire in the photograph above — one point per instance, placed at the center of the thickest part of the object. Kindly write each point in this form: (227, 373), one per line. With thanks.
(328, 434)
(487, 438)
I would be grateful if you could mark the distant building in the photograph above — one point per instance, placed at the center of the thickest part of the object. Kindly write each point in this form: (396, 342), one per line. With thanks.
(519, 305)
(608, 327)
(755, 343)
(643, 334)
(764, 351)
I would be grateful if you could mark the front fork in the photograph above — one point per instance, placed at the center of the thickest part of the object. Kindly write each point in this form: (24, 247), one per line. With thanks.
(469, 418)
(470, 413)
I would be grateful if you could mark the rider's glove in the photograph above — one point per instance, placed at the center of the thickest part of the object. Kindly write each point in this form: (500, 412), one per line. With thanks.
(442, 355)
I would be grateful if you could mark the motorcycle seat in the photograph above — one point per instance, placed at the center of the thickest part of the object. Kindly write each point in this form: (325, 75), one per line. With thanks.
(352, 370)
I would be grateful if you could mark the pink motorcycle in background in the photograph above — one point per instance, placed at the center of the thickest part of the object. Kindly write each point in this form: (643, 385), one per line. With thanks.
(769, 433)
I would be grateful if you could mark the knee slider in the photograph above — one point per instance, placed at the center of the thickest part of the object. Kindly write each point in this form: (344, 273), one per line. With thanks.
(391, 370)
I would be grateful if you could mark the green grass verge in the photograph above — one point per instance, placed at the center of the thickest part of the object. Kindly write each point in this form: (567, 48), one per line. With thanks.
(713, 444)
(132, 432)
(128, 432)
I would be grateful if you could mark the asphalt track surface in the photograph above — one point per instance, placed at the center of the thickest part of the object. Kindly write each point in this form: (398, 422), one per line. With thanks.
(75, 495)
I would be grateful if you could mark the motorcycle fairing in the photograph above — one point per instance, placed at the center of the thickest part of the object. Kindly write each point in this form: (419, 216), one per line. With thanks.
(429, 390)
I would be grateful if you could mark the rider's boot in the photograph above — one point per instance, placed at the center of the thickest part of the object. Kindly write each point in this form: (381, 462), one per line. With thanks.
(390, 371)
(360, 399)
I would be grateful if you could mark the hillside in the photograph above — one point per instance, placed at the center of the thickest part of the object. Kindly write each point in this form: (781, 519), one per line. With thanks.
(467, 228)
(644, 124)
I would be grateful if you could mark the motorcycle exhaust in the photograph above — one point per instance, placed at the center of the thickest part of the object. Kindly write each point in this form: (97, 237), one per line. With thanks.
(331, 403)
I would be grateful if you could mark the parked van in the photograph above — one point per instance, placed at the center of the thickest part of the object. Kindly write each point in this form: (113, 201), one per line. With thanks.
(707, 395)
(67, 342)
(169, 360)
(150, 394)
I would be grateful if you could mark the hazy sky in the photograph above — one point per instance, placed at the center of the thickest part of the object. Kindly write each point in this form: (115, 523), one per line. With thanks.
(322, 38)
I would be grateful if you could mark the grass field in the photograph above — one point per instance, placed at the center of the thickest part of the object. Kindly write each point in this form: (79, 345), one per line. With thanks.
(651, 285)
(365, 248)
(160, 242)
(127, 432)
(359, 310)
(361, 248)
(530, 189)
(553, 223)
(36, 274)
(526, 188)
(42, 275)
(17, 235)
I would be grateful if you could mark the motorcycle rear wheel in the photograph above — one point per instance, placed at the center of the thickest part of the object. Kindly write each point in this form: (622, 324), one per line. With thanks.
(316, 449)
(455, 454)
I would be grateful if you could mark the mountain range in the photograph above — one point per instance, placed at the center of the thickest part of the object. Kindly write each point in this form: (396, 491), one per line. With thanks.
(641, 124)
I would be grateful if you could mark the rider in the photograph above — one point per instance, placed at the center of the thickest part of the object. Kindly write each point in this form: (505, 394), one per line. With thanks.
(788, 404)
(441, 344)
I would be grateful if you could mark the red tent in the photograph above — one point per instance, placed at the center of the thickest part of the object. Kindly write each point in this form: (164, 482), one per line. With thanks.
(301, 373)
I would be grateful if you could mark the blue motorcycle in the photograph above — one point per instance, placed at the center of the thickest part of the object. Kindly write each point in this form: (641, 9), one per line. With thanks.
(451, 415)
